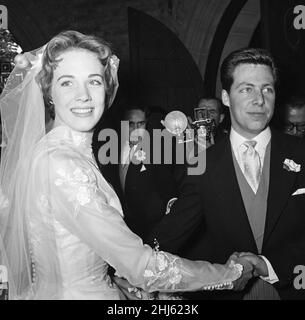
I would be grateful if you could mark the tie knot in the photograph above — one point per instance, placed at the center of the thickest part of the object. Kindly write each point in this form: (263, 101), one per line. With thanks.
(250, 144)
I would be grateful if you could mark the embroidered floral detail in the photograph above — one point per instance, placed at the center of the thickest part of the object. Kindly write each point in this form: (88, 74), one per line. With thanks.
(290, 165)
(166, 271)
(162, 263)
(148, 274)
(80, 176)
(140, 155)
(82, 187)
(43, 201)
(83, 195)
(3, 200)
(174, 276)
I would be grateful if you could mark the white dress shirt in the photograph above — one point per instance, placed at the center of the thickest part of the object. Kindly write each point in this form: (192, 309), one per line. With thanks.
(262, 141)
(126, 155)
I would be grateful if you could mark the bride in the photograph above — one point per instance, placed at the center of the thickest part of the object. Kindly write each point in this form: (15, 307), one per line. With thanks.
(61, 223)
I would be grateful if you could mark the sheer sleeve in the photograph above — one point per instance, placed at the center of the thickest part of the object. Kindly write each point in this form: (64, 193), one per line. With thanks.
(73, 193)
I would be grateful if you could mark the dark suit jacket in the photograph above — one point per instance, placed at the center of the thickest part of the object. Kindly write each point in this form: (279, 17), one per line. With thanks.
(222, 221)
(147, 193)
(225, 227)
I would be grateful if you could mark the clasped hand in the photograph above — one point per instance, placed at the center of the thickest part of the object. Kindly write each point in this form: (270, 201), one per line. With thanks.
(253, 266)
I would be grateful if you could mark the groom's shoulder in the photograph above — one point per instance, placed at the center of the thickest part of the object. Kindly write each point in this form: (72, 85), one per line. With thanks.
(289, 144)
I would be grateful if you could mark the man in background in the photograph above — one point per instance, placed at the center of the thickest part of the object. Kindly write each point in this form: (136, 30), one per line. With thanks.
(293, 116)
(211, 108)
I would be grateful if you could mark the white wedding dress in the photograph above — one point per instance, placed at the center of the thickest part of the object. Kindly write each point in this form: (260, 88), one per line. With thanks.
(76, 230)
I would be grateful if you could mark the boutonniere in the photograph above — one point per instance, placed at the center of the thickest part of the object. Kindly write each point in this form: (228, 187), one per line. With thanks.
(290, 165)
(140, 155)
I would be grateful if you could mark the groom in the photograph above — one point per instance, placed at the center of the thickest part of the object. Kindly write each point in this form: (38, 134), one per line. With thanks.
(253, 190)
(252, 193)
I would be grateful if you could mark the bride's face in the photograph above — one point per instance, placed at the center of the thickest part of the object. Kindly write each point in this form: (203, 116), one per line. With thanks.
(78, 90)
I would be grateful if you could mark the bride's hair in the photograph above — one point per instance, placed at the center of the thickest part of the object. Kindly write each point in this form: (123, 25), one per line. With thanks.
(70, 40)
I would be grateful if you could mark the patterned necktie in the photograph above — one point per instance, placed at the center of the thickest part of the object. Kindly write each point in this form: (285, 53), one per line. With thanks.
(251, 164)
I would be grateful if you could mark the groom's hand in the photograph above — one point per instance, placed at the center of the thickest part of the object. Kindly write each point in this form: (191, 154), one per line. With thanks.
(247, 274)
(259, 264)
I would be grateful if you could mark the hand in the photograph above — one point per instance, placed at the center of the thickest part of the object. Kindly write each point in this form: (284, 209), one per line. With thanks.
(241, 282)
(129, 291)
(259, 264)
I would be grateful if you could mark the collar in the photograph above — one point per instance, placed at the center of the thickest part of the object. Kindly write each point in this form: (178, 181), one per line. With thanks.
(76, 138)
(261, 139)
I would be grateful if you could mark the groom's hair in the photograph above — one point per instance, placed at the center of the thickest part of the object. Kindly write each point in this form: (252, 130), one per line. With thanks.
(245, 56)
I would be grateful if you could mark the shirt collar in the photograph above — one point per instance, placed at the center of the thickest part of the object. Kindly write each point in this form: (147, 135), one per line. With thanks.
(262, 139)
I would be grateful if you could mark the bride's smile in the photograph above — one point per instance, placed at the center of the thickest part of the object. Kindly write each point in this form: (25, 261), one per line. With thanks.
(78, 90)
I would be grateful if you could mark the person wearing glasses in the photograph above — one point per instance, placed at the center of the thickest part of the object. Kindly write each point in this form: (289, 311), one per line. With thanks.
(294, 116)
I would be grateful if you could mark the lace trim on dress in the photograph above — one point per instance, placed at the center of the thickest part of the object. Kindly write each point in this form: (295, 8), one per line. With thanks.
(237, 269)
(166, 273)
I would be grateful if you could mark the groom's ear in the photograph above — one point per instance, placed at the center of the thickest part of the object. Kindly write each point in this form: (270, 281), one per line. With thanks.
(225, 98)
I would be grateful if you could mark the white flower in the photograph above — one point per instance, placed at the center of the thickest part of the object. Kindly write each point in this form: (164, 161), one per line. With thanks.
(140, 155)
(290, 165)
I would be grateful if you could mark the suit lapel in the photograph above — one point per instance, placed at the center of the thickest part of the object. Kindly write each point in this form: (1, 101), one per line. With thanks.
(280, 185)
(224, 179)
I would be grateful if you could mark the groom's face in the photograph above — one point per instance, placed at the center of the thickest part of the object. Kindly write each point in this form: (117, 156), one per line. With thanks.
(250, 99)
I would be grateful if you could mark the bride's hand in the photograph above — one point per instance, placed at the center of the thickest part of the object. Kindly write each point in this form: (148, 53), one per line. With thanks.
(129, 291)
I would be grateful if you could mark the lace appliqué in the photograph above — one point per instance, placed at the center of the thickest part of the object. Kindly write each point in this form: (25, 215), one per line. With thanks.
(81, 187)
(166, 271)
(237, 270)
